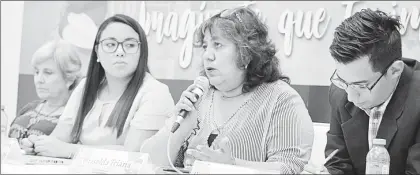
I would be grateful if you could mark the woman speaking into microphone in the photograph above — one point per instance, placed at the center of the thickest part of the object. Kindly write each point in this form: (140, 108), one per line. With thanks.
(250, 116)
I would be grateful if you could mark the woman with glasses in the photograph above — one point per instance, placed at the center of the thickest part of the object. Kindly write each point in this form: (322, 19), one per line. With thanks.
(250, 116)
(118, 105)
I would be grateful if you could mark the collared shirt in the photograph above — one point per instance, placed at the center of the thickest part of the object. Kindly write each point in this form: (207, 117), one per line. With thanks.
(375, 118)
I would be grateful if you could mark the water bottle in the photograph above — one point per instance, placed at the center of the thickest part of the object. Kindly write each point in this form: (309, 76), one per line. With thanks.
(377, 160)
(4, 129)
(4, 123)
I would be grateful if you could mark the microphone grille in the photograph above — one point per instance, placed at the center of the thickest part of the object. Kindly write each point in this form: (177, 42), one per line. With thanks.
(203, 82)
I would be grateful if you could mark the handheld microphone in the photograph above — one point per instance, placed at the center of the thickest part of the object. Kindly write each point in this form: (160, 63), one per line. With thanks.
(202, 85)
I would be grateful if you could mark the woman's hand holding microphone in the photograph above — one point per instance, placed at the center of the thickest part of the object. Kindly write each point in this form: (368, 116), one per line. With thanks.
(187, 100)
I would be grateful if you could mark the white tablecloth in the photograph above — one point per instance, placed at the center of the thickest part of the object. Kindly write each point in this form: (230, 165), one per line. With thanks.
(34, 169)
(19, 165)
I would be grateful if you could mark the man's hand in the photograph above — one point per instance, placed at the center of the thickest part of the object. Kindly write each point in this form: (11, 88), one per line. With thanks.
(314, 169)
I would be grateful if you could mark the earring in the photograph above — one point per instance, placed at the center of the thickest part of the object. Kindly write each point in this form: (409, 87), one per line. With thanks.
(97, 60)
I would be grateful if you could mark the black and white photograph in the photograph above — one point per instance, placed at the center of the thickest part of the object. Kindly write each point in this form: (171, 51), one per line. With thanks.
(210, 87)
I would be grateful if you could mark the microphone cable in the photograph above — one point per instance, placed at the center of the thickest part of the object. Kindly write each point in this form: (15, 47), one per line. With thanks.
(169, 154)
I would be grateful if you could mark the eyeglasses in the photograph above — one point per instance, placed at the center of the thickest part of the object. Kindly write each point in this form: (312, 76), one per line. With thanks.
(228, 13)
(340, 83)
(129, 46)
(231, 14)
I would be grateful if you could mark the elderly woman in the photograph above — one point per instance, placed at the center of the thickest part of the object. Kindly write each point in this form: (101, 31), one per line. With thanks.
(57, 72)
(119, 105)
(250, 116)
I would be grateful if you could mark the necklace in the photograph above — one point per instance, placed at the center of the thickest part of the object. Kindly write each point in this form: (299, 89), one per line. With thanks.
(219, 128)
(36, 119)
(226, 97)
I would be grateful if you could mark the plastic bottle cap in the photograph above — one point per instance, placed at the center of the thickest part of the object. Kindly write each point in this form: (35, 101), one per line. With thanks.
(379, 141)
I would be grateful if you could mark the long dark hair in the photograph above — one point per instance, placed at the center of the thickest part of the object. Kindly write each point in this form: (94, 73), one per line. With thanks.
(96, 74)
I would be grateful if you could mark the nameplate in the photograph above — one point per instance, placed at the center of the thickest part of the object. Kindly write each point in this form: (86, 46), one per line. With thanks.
(203, 167)
(103, 161)
(40, 160)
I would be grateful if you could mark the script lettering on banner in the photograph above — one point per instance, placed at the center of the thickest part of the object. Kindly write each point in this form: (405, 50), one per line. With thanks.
(103, 161)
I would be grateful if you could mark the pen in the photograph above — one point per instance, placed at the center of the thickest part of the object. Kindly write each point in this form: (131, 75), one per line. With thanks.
(330, 156)
(317, 170)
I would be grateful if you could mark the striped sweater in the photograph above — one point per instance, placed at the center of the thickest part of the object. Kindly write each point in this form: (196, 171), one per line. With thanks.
(273, 126)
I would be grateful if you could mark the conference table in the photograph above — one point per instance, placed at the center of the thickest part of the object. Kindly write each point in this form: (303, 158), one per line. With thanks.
(14, 161)
(30, 164)
(24, 167)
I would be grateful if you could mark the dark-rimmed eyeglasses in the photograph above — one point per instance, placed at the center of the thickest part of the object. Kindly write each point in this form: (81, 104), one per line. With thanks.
(342, 84)
(110, 45)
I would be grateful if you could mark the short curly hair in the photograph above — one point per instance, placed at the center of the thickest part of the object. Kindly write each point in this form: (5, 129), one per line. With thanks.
(257, 53)
(65, 56)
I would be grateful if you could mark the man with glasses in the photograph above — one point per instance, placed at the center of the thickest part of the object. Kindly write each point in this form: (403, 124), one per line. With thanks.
(375, 93)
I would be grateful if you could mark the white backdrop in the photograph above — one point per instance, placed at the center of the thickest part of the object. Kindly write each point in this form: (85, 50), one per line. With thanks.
(11, 32)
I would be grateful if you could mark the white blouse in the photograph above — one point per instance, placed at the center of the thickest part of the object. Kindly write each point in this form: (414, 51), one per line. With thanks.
(152, 105)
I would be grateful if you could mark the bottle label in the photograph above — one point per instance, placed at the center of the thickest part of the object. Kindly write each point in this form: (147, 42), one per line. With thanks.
(377, 168)
(385, 169)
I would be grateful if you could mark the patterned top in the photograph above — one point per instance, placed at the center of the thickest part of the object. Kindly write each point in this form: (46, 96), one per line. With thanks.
(32, 122)
(152, 105)
(272, 126)
(375, 117)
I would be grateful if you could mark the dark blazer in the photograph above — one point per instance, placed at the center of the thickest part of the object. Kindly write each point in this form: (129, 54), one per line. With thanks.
(400, 127)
